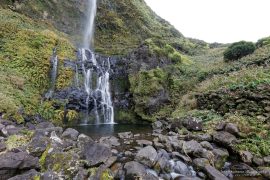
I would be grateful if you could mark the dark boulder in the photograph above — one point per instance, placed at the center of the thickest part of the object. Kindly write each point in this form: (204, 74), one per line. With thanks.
(70, 133)
(95, 154)
(232, 128)
(27, 175)
(224, 138)
(193, 124)
(214, 174)
(11, 163)
(147, 156)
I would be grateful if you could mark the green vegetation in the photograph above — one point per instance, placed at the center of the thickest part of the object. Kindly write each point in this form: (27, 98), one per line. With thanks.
(263, 42)
(161, 49)
(122, 25)
(238, 50)
(42, 160)
(16, 141)
(249, 77)
(144, 86)
(26, 48)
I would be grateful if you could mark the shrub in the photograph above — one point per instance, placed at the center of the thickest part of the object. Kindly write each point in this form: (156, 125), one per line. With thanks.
(238, 50)
(263, 42)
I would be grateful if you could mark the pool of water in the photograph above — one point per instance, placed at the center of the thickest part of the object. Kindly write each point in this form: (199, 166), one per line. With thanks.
(97, 131)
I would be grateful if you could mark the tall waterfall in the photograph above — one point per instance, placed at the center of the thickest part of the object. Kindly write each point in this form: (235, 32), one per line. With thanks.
(96, 75)
(90, 24)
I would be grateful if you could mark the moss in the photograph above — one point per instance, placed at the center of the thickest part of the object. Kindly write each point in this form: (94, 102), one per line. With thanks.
(37, 177)
(15, 141)
(106, 175)
(61, 162)
(126, 116)
(42, 160)
(155, 80)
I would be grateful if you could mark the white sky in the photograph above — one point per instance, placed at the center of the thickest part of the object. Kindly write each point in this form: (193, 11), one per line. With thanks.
(223, 21)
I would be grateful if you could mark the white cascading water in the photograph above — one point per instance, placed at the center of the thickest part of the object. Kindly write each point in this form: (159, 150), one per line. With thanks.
(96, 75)
(89, 28)
(54, 63)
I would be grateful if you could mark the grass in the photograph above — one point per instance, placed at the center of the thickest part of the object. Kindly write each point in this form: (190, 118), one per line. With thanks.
(248, 77)
(26, 48)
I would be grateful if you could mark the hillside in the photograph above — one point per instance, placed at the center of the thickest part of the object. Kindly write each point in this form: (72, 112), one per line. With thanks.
(205, 110)
(121, 25)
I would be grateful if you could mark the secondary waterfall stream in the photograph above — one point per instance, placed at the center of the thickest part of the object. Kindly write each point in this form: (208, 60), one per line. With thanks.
(53, 74)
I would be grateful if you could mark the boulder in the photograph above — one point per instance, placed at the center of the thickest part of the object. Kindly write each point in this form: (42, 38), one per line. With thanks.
(232, 128)
(38, 145)
(27, 175)
(134, 169)
(265, 171)
(224, 138)
(206, 145)
(70, 133)
(2, 146)
(246, 156)
(110, 141)
(125, 135)
(242, 169)
(190, 147)
(95, 154)
(44, 125)
(49, 175)
(161, 164)
(11, 163)
(220, 126)
(203, 137)
(267, 160)
(144, 143)
(157, 144)
(220, 157)
(200, 163)
(147, 156)
(9, 130)
(20, 161)
(193, 124)
(258, 161)
(157, 125)
(182, 157)
(214, 174)
(204, 153)
(181, 168)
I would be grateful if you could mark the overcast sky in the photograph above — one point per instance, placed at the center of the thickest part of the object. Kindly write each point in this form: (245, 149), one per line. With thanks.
(223, 21)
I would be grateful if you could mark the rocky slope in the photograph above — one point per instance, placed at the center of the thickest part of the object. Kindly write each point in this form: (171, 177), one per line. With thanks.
(43, 151)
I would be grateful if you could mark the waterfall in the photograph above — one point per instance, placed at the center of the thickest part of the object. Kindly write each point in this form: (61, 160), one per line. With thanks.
(96, 74)
(90, 24)
(53, 74)
(97, 87)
